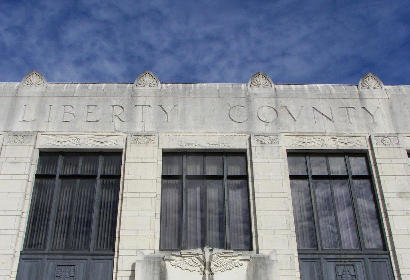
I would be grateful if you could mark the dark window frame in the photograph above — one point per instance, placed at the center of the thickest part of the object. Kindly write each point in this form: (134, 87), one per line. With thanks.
(56, 177)
(321, 256)
(225, 177)
(350, 178)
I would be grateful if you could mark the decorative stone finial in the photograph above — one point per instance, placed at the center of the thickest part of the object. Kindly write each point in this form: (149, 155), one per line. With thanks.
(34, 79)
(260, 80)
(370, 81)
(147, 80)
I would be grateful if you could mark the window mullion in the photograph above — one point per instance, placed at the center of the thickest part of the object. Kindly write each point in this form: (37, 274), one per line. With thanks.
(313, 198)
(355, 206)
(73, 206)
(184, 204)
(204, 208)
(53, 214)
(334, 203)
(226, 205)
(68, 242)
(97, 200)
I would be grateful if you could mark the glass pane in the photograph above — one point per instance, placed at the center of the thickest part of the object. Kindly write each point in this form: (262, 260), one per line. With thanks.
(358, 164)
(112, 164)
(89, 165)
(83, 215)
(47, 163)
(171, 214)
(368, 214)
(236, 165)
(171, 164)
(303, 214)
(215, 220)
(107, 219)
(337, 165)
(63, 216)
(318, 165)
(310, 270)
(214, 165)
(381, 269)
(70, 165)
(297, 165)
(39, 213)
(326, 214)
(239, 220)
(345, 216)
(195, 164)
(194, 214)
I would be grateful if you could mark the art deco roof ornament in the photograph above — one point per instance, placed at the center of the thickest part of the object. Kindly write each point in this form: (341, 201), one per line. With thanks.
(370, 81)
(147, 80)
(34, 79)
(260, 80)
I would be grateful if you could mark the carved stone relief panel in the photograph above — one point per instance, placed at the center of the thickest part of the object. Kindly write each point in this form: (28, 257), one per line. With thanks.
(265, 140)
(386, 141)
(325, 141)
(81, 141)
(192, 261)
(207, 262)
(17, 138)
(203, 141)
(143, 139)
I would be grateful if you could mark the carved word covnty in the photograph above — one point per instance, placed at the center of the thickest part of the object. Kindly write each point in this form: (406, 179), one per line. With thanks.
(269, 114)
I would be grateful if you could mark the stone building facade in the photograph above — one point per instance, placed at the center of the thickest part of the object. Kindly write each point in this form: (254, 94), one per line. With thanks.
(100, 181)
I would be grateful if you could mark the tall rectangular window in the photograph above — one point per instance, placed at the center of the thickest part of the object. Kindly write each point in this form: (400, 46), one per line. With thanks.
(336, 216)
(73, 211)
(74, 202)
(205, 201)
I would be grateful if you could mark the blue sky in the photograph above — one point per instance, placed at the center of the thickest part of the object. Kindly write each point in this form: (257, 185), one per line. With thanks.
(332, 41)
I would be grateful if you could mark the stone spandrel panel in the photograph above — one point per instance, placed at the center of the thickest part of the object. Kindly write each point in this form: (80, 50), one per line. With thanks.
(325, 142)
(80, 141)
(203, 141)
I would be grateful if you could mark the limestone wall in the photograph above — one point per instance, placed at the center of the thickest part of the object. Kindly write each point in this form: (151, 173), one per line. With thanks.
(264, 121)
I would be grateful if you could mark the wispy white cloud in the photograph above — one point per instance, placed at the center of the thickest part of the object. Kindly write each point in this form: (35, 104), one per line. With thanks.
(206, 41)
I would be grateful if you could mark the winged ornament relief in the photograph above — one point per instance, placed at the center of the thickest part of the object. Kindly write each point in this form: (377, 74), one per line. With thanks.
(207, 261)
